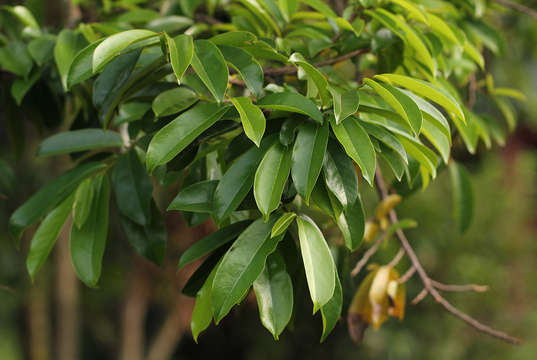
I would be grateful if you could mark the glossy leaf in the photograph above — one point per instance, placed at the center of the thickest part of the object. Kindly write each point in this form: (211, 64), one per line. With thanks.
(113, 46)
(46, 235)
(400, 102)
(292, 102)
(178, 134)
(357, 145)
(252, 118)
(318, 263)
(202, 314)
(82, 202)
(331, 311)
(387, 138)
(318, 78)
(308, 155)
(274, 292)
(133, 188)
(282, 224)
(340, 175)
(346, 103)
(247, 67)
(241, 266)
(87, 243)
(210, 65)
(67, 46)
(81, 68)
(79, 140)
(463, 198)
(212, 242)
(173, 101)
(233, 38)
(197, 197)
(270, 178)
(181, 50)
(50, 195)
(351, 222)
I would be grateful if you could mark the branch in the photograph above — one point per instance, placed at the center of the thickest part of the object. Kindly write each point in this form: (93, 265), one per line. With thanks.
(519, 7)
(367, 255)
(428, 282)
(289, 70)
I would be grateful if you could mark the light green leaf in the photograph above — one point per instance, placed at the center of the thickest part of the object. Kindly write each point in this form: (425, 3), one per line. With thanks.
(331, 311)
(308, 155)
(178, 134)
(247, 67)
(81, 68)
(79, 140)
(321, 7)
(346, 103)
(88, 243)
(318, 263)
(202, 314)
(210, 65)
(173, 101)
(68, 44)
(357, 145)
(270, 178)
(252, 118)
(82, 202)
(400, 102)
(282, 224)
(113, 46)
(463, 198)
(181, 50)
(234, 38)
(386, 137)
(46, 235)
(241, 266)
(292, 102)
(318, 78)
(24, 15)
(274, 292)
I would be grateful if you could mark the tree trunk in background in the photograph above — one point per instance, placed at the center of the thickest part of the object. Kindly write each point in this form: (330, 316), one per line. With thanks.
(67, 299)
(38, 317)
(133, 317)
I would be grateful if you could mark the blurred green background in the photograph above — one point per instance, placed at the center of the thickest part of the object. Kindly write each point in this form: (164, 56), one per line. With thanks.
(499, 250)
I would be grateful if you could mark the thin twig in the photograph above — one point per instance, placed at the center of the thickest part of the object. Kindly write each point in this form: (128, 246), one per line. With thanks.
(397, 258)
(406, 276)
(428, 283)
(290, 70)
(367, 255)
(423, 293)
(519, 7)
(459, 288)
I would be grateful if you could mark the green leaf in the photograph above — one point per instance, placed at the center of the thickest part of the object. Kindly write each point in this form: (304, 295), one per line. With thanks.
(46, 235)
(42, 48)
(428, 91)
(178, 134)
(308, 155)
(252, 118)
(173, 101)
(169, 24)
(235, 184)
(241, 266)
(274, 292)
(386, 137)
(292, 102)
(282, 224)
(21, 86)
(318, 78)
(79, 140)
(400, 102)
(82, 203)
(113, 45)
(357, 145)
(210, 65)
(435, 134)
(233, 38)
(394, 160)
(133, 188)
(288, 8)
(247, 67)
(147, 240)
(270, 178)
(202, 314)
(421, 153)
(197, 197)
(351, 222)
(463, 198)
(321, 7)
(212, 242)
(14, 57)
(24, 15)
(346, 103)
(318, 263)
(340, 175)
(181, 50)
(81, 67)
(50, 195)
(68, 44)
(88, 243)
(331, 311)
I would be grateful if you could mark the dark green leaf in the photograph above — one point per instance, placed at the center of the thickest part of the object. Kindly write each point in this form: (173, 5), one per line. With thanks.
(210, 65)
(173, 101)
(247, 67)
(292, 102)
(68, 44)
(88, 243)
(351, 222)
(202, 314)
(308, 155)
(81, 67)
(82, 203)
(195, 198)
(181, 50)
(346, 103)
(331, 311)
(340, 175)
(79, 140)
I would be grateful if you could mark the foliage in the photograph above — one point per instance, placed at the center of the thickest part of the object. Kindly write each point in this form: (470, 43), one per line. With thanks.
(269, 114)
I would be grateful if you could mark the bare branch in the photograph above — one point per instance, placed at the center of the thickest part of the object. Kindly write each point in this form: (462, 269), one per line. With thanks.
(519, 7)
(423, 293)
(397, 258)
(367, 255)
(406, 276)
(428, 283)
(459, 288)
